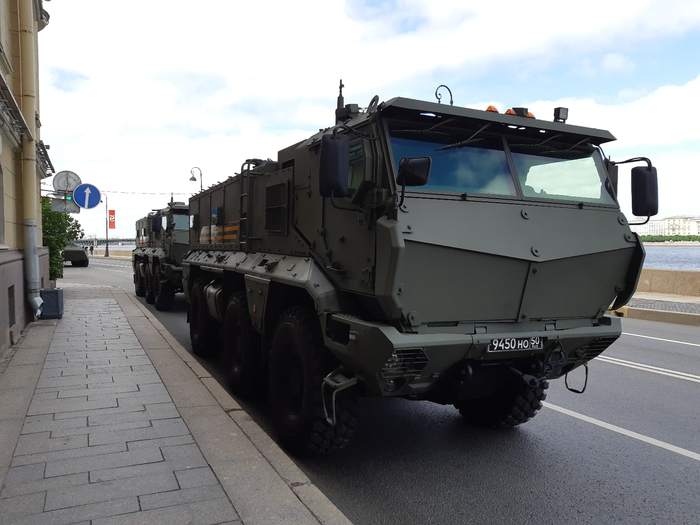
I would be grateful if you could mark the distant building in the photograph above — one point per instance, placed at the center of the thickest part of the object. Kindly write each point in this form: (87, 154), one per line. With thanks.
(24, 263)
(679, 225)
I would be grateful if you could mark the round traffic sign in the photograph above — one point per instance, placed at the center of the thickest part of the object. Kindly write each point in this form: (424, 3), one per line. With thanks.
(86, 196)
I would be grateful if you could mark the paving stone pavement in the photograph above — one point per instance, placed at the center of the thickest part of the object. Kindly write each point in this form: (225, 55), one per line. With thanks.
(101, 440)
(669, 306)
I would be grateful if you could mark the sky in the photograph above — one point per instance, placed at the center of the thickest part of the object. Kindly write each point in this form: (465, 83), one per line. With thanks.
(135, 93)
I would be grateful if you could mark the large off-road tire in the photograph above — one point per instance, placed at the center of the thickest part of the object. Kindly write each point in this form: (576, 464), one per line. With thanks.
(203, 328)
(150, 286)
(241, 349)
(165, 295)
(298, 364)
(139, 282)
(513, 405)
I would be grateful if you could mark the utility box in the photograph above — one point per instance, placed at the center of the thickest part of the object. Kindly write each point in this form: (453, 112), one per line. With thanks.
(53, 303)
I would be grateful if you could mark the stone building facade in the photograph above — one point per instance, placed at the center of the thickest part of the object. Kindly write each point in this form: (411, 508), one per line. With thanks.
(23, 163)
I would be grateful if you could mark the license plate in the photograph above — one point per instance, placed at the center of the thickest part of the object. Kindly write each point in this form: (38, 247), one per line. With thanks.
(515, 344)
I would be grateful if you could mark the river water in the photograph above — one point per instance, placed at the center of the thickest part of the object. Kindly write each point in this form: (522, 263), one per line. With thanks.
(672, 257)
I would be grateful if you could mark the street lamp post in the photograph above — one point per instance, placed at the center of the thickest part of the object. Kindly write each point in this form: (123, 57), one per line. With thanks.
(106, 227)
(193, 178)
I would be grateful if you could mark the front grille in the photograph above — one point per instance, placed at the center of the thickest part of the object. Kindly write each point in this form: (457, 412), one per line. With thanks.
(594, 348)
(405, 363)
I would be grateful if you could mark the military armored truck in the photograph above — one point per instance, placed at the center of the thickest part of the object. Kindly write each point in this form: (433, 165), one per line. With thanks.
(76, 256)
(161, 242)
(414, 250)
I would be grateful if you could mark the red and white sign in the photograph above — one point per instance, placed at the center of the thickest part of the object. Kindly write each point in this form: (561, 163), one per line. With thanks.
(112, 220)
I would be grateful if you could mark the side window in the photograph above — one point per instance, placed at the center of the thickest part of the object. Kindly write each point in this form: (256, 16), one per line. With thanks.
(358, 165)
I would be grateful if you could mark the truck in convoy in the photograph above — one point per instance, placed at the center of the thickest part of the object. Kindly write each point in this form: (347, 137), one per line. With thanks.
(414, 250)
(162, 239)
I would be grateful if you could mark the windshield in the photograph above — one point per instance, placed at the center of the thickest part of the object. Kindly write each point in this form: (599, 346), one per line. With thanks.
(474, 162)
(182, 222)
(465, 169)
(578, 177)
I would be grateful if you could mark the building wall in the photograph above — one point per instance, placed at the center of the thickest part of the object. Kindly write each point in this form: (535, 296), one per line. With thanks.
(14, 311)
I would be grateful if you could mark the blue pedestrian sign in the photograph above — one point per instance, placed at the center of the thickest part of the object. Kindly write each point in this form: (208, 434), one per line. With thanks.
(86, 196)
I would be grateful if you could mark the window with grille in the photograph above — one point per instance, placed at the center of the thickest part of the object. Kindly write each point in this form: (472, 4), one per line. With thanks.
(276, 208)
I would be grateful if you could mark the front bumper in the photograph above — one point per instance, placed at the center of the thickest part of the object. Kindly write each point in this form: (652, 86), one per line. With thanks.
(376, 351)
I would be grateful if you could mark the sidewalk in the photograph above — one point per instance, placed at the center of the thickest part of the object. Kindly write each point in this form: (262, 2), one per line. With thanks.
(669, 308)
(106, 419)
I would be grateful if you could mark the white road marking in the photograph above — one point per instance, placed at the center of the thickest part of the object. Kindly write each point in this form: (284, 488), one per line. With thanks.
(648, 368)
(629, 433)
(661, 339)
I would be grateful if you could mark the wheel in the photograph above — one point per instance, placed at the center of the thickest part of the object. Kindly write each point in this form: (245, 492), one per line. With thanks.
(139, 283)
(298, 363)
(203, 328)
(241, 349)
(165, 296)
(150, 286)
(515, 404)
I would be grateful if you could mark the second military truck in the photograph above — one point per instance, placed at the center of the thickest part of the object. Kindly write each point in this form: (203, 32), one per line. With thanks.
(414, 250)
(162, 239)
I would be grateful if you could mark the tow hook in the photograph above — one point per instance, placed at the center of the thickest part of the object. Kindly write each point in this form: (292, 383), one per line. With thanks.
(585, 381)
(334, 382)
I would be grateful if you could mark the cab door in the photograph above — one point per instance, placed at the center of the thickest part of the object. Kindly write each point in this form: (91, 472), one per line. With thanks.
(347, 236)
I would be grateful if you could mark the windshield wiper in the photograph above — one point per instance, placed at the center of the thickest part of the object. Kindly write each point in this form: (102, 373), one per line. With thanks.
(466, 141)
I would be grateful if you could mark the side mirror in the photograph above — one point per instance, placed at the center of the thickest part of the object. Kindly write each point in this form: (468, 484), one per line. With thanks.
(334, 166)
(645, 192)
(156, 224)
(413, 171)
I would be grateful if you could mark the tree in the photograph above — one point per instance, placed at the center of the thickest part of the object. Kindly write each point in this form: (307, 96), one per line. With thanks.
(59, 229)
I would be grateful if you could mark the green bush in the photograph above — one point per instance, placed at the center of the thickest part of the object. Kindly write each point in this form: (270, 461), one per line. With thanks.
(59, 229)
(666, 238)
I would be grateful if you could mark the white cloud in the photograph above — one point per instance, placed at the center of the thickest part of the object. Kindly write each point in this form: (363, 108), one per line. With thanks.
(616, 63)
(173, 84)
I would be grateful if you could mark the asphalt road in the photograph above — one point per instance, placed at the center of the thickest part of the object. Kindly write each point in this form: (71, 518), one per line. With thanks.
(627, 451)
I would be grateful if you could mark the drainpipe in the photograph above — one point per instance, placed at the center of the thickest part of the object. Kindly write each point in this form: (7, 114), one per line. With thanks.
(30, 205)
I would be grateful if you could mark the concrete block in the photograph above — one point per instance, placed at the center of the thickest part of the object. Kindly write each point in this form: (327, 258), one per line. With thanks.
(204, 513)
(23, 505)
(224, 399)
(259, 494)
(29, 356)
(219, 438)
(9, 432)
(160, 428)
(88, 463)
(190, 394)
(47, 484)
(70, 455)
(196, 477)
(14, 402)
(19, 376)
(108, 490)
(84, 513)
(46, 423)
(190, 495)
(43, 442)
(25, 474)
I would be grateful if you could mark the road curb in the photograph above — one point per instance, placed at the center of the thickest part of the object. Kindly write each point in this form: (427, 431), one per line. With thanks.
(662, 316)
(312, 498)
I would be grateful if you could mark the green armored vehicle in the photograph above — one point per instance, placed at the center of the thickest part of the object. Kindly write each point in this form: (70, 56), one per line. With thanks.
(161, 242)
(76, 255)
(414, 250)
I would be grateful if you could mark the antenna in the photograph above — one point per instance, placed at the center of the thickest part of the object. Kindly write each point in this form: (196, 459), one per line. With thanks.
(340, 106)
(438, 96)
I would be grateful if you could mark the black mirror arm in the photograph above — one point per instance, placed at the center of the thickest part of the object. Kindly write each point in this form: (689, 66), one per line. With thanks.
(628, 161)
(633, 159)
